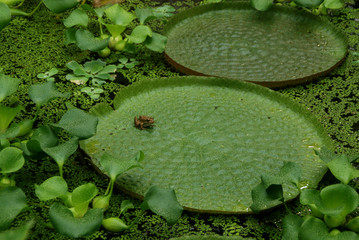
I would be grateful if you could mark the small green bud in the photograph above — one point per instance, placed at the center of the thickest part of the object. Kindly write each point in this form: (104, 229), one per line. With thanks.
(104, 52)
(333, 222)
(315, 211)
(120, 45)
(334, 232)
(114, 41)
(101, 202)
(7, 182)
(114, 224)
(104, 36)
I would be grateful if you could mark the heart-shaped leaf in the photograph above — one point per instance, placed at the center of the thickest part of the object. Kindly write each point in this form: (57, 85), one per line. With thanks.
(8, 85)
(57, 6)
(144, 14)
(264, 197)
(115, 166)
(20, 129)
(7, 115)
(86, 41)
(315, 229)
(156, 43)
(333, 4)
(13, 201)
(20, 233)
(342, 169)
(115, 30)
(62, 152)
(262, 5)
(11, 160)
(164, 203)
(42, 93)
(78, 123)
(52, 188)
(65, 223)
(70, 36)
(353, 224)
(119, 16)
(84, 194)
(5, 15)
(77, 17)
(94, 66)
(291, 226)
(125, 205)
(140, 33)
(43, 137)
(308, 3)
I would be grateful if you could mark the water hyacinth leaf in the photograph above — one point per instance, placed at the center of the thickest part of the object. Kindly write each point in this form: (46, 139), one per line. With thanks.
(13, 201)
(77, 17)
(51, 188)
(140, 33)
(86, 41)
(291, 226)
(5, 16)
(78, 123)
(315, 229)
(60, 6)
(4, 143)
(164, 203)
(156, 43)
(264, 197)
(62, 152)
(125, 205)
(42, 93)
(43, 137)
(70, 36)
(262, 5)
(353, 224)
(66, 224)
(20, 233)
(308, 3)
(144, 14)
(101, 109)
(119, 16)
(20, 129)
(7, 115)
(115, 30)
(115, 166)
(289, 173)
(342, 169)
(8, 85)
(11, 160)
(84, 194)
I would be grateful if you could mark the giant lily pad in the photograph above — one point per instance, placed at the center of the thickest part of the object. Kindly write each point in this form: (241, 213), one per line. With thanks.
(211, 141)
(282, 46)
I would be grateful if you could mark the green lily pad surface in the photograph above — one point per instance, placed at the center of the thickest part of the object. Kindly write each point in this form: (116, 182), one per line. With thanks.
(282, 46)
(211, 141)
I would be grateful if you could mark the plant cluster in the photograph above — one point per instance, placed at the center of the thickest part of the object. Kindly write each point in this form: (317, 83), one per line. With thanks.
(331, 208)
(71, 215)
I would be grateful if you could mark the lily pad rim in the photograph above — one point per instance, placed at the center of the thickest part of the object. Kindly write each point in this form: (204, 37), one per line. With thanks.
(231, 5)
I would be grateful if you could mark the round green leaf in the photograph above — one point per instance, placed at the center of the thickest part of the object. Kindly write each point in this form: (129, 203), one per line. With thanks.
(262, 5)
(5, 16)
(7, 115)
(20, 233)
(155, 43)
(86, 41)
(77, 17)
(8, 85)
(13, 201)
(211, 141)
(282, 46)
(62, 152)
(308, 3)
(118, 15)
(333, 4)
(78, 123)
(66, 224)
(140, 33)
(52, 188)
(11, 160)
(57, 6)
(42, 93)
(84, 194)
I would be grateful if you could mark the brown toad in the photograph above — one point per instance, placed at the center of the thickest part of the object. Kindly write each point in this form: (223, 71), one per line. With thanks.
(144, 122)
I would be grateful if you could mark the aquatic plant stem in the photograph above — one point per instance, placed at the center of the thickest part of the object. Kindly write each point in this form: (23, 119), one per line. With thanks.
(17, 12)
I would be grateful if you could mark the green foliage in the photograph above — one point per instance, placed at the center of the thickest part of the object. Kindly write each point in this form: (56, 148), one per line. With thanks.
(20, 233)
(52, 188)
(60, 6)
(48, 75)
(8, 86)
(5, 16)
(41, 94)
(11, 160)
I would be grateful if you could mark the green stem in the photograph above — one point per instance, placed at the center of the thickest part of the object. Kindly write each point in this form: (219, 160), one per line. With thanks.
(108, 188)
(17, 12)
(136, 219)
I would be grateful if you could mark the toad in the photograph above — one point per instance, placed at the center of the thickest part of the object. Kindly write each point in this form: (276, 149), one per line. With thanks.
(144, 122)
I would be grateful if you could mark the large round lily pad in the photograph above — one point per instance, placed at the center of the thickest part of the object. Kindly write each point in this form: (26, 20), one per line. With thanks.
(213, 138)
(282, 46)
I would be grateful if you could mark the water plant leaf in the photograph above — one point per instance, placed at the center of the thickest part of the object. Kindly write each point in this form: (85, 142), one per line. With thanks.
(163, 11)
(114, 166)
(5, 16)
(144, 14)
(333, 4)
(156, 43)
(70, 36)
(115, 30)
(7, 115)
(262, 5)
(263, 196)
(62, 152)
(291, 227)
(353, 224)
(13, 201)
(125, 205)
(140, 33)
(334, 201)
(197, 46)
(42, 93)
(341, 168)
(164, 203)
(20, 129)
(119, 16)
(114, 224)
(77, 17)
(43, 137)
(84, 194)
(315, 229)
(78, 123)
(11, 160)
(87, 41)
(60, 6)
(20, 233)
(308, 3)
(66, 224)
(51, 188)
(94, 66)
(200, 132)
(8, 85)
